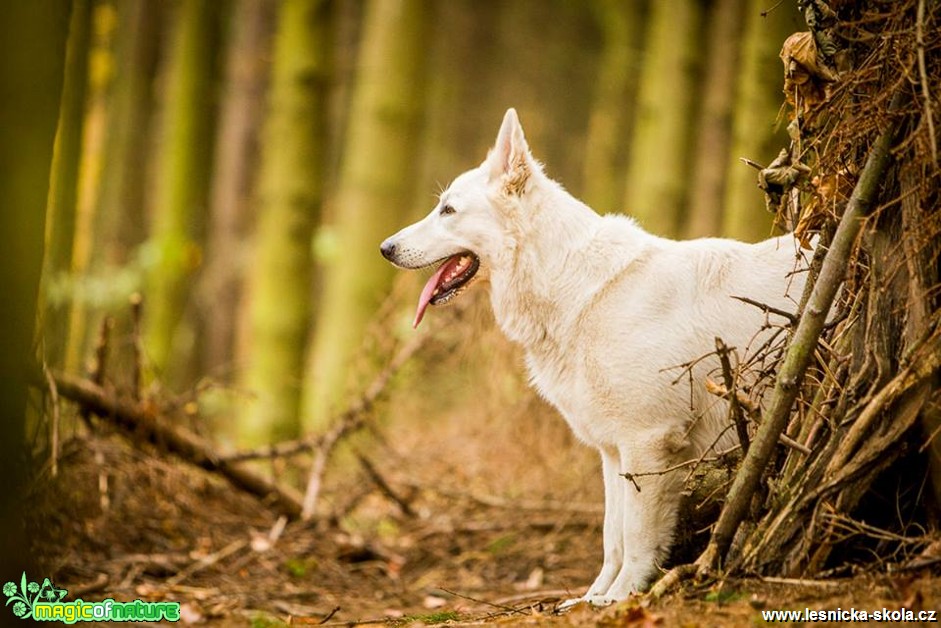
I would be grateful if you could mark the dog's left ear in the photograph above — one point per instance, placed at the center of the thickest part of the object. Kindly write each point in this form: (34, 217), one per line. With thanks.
(509, 159)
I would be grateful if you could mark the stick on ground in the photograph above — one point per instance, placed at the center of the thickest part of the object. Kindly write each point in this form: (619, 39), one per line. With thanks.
(143, 422)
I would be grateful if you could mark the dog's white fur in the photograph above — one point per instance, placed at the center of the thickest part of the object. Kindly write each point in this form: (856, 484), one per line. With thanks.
(604, 310)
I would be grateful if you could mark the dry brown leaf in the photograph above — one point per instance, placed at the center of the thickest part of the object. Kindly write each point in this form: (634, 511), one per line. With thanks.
(805, 77)
(630, 616)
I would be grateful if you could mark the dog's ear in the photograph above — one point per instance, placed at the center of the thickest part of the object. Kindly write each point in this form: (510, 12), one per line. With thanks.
(509, 160)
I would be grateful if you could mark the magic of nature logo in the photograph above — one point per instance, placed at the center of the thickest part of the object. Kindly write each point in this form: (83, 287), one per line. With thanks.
(43, 602)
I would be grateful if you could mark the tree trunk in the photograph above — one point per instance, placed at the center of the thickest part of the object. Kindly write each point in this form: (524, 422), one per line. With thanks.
(379, 162)
(460, 61)
(290, 192)
(758, 102)
(182, 183)
(233, 181)
(32, 58)
(63, 186)
(614, 101)
(120, 225)
(714, 124)
(659, 164)
(114, 167)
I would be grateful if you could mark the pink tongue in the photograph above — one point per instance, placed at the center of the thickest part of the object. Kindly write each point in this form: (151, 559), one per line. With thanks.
(427, 293)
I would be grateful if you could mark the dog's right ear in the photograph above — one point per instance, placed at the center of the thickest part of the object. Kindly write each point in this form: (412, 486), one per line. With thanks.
(509, 159)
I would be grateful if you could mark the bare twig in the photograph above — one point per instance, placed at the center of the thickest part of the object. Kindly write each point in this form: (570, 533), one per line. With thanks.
(384, 486)
(329, 616)
(769, 309)
(754, 412)
(207, 561)
(800, 582)
(671, 580)
(680, 465)
(735, 411)
(54, 428)
(96, 371)
(284, 449)
(502, 607)
(493, 501)
(923, 74)
(353, 419)
(137, 361)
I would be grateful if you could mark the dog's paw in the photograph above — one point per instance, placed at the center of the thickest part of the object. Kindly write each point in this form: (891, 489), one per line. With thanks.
(599, 601)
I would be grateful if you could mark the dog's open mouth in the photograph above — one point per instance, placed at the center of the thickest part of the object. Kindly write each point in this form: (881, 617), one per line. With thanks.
(447, 282)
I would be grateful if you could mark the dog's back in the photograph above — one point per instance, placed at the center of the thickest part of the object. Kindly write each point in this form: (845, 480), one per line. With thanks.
(663, 310)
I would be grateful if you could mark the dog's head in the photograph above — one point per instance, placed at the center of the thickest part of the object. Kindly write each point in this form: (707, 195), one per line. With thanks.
(468, 230)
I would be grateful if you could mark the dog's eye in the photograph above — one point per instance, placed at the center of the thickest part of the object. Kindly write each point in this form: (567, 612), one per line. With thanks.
(447, 209)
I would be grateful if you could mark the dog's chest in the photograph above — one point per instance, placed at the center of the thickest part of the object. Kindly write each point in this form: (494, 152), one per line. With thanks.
(560, 382)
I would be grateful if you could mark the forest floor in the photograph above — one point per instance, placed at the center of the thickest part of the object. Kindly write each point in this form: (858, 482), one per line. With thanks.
(465, 501)
(446, 555)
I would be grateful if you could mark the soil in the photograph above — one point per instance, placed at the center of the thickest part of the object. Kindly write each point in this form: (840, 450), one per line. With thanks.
(129, 523)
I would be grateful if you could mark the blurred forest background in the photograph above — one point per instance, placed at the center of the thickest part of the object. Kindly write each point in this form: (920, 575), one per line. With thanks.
(194, 195)
(236, 164)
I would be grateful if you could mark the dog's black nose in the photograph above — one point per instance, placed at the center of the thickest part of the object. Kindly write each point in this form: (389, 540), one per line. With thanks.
(388, 249)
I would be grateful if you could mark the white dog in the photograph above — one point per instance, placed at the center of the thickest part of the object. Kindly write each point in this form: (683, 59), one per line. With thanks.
(603, 309)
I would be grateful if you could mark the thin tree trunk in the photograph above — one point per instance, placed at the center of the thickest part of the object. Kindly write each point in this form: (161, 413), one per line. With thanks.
(120, 225)
(63, 186)
(111, 207)
(922, 275)
(380, 161)
(241, 112)
(182, 182)
(614, 102)
(32, 58)
(714, 125)
(758, 101)
(659, 158)
(94, 135)
(290, 193)
(461, 58)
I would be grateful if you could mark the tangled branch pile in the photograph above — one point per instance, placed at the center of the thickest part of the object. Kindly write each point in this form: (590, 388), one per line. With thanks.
(861, 389)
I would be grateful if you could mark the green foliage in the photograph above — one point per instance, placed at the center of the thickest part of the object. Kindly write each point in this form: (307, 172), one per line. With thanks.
(430, 619)
(501, 544)
(724, 595)
(300, 567)
(263, 620)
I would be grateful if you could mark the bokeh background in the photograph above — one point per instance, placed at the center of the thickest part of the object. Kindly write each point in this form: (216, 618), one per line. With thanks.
(237, 163)
(196, 191)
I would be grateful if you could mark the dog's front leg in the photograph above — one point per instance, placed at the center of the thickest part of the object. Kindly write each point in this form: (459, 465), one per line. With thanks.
(613, 536)
(650, 505)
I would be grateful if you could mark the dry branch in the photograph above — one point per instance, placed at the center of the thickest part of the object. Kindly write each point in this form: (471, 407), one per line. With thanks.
(137, 345)
(735, 410)
(142, 420)
(353, 419)
(801, 348)
(384, 487)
